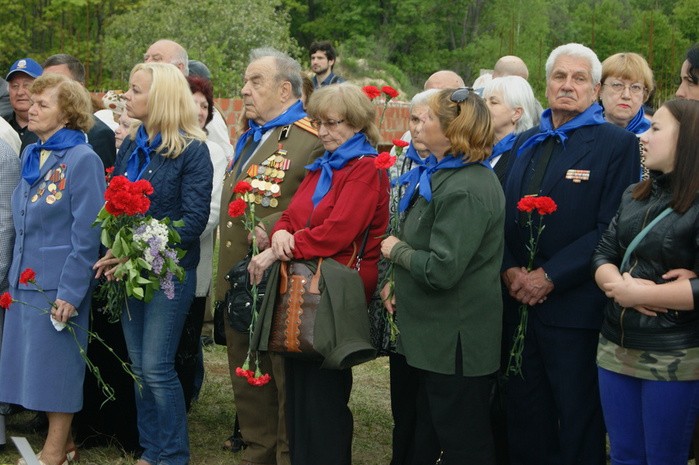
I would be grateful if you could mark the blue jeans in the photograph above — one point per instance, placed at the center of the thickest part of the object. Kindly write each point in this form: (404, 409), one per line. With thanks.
(152, 336)
(649, 422)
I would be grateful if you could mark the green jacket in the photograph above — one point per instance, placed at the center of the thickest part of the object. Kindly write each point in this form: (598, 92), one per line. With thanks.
(447, 274)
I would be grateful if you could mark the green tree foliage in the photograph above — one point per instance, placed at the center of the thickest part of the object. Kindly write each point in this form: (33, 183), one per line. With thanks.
(220, 33)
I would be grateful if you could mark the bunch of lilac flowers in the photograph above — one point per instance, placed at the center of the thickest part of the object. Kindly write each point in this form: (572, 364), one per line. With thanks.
(152, 238)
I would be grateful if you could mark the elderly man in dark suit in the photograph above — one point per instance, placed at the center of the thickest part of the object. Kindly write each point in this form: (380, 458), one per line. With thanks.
(584, 164)
(280, 141)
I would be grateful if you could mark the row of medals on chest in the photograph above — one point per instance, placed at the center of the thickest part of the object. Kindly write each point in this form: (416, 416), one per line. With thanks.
(266, 178)
(55, 182)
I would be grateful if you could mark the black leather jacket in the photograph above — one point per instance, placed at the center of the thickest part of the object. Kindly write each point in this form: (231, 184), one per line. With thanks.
(672, 243)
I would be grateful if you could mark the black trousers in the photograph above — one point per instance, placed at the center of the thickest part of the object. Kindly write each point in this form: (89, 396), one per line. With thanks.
(457, 409)
(188, 350)
(319, 422)
(407, 445)
(554, 410)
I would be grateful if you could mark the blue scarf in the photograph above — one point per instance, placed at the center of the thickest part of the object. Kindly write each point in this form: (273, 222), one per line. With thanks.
(639, 124)
(62, 139)
(503, 146)
(354, 147)
(294, 113)
(420, 178)
(590, 117)
(142, 147)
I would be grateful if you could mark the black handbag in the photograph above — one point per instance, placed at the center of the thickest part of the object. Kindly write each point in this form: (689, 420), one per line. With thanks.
(239, 299)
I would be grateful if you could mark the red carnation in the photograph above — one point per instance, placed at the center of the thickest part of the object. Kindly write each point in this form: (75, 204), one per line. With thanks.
(237, 208)
(244, 373)
(261, 381)
(242, 187)
(545, 205)
(527, 204)
(6, 300)
(390, 91)
(400, 143)
(371, 91)
(384, 161)
(109, 170)
(27, 276)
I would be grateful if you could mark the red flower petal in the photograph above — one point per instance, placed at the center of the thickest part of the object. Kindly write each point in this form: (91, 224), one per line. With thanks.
(242, 187)
(371, 91)
(390, 91)
(527, 204)
(5, 300)
(27, 276)
(400, 143)
(237, 208)
(384, 161)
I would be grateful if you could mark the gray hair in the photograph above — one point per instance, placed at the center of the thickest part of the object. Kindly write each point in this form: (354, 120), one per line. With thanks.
(516, 92)
(288, 69)
(577, 51)
(423, 98)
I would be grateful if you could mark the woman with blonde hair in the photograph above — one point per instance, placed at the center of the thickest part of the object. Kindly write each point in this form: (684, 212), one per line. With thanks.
(627, 82)
(168, 150)
(447, 278)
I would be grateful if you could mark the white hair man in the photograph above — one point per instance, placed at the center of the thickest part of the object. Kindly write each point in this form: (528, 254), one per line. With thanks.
(584, 164)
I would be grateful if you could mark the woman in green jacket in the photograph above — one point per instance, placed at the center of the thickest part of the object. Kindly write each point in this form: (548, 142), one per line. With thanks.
(447, 260)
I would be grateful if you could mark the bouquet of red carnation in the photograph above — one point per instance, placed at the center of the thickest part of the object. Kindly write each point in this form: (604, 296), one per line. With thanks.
(142, 243)
(542, 206)
(244, 205)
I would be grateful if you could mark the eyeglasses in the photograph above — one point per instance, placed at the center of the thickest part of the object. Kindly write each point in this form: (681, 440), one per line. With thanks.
(329, 124)
(618, 88)
(459, 96)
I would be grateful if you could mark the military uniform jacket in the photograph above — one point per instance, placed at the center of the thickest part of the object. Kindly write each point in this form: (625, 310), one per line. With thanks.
(301, 145)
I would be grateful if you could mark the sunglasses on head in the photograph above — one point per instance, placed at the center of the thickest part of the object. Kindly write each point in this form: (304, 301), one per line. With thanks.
(460, 96)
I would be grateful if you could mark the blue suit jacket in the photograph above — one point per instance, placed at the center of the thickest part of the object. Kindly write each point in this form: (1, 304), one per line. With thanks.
(56, 237)
(611, 156)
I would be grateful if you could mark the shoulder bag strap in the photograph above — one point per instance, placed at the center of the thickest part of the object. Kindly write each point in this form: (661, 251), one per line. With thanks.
(639, 237)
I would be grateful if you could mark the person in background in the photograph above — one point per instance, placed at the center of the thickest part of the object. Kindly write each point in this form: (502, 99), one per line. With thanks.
(190, 342)
(514, 109)
(647, 356)
(101, 136)
(689, 75)
(169, 151)
(21, 75)
(323, 56)
(54, 206)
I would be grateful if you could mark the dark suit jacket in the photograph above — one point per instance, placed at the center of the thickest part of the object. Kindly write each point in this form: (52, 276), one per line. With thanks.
(585, 209)
(100, 137)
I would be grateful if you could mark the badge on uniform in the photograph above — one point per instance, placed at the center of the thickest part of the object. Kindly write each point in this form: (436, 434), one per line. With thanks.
(578, 175)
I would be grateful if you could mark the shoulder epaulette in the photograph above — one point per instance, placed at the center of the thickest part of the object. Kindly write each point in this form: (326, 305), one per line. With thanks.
(305, 124)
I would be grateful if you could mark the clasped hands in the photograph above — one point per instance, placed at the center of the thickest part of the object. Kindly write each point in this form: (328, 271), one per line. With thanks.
(282, 248)
(527, 287)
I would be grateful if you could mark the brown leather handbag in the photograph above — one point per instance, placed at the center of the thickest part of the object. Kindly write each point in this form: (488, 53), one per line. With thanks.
(295, 310)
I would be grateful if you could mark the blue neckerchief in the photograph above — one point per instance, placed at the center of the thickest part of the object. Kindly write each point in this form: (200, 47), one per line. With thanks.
(503, 146)
(639, 124)
(411, 154)
(420, 178)
(590, 117)
(62, 139)
(294, 113)
(142, 146)
(354, 147)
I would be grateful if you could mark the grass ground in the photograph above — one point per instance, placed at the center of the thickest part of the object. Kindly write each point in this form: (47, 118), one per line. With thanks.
(211, 419)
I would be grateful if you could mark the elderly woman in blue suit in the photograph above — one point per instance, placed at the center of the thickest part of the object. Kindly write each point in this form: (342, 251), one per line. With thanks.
(57, 200)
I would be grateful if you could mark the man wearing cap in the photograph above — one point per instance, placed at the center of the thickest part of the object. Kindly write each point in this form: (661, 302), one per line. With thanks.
(20, 77)
(167, 51)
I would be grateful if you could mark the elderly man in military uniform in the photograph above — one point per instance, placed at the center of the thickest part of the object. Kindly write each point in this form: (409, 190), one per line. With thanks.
(271, 155)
